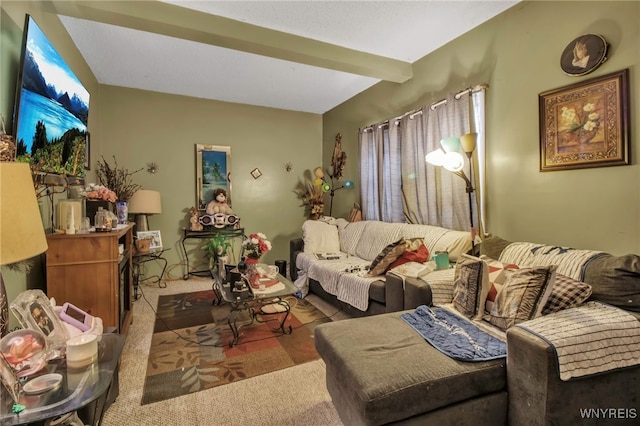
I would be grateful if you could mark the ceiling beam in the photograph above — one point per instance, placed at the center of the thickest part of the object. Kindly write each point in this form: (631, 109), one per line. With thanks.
(179, 22)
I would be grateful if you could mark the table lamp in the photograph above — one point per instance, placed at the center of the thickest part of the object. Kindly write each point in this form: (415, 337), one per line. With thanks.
(144, 203)
(21, 231)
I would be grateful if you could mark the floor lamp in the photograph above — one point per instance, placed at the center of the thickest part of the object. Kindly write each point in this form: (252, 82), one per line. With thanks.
(21, 231)
(450, 158)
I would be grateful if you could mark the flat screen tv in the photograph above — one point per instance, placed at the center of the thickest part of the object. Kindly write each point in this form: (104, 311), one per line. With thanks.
(52, 108)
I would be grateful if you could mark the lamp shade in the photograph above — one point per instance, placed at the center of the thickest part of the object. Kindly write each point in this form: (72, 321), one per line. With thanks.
(21, 231)
(468, 142)
(450, 144)
(435, 157)
(145, 201)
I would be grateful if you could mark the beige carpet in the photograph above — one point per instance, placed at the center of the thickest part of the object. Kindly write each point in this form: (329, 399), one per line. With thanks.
(294, 396)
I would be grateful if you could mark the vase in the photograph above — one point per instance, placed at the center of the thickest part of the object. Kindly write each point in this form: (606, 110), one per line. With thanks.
(252, 273)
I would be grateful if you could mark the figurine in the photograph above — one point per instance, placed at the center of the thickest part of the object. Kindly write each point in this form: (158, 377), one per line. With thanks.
(195, 220)
(219, 203)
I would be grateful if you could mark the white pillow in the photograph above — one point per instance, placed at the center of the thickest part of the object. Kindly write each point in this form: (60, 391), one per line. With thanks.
(320, 237)
(455, 242)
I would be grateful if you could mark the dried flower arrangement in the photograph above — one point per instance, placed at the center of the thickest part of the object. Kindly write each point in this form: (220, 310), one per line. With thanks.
(117, 179)
(311, 193)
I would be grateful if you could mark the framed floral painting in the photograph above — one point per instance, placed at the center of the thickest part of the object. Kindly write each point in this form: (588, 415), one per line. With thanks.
(585, 124)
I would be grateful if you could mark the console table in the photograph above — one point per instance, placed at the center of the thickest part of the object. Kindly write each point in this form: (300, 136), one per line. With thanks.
(202, 235)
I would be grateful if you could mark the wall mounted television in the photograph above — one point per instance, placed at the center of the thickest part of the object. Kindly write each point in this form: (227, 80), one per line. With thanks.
(51, 110)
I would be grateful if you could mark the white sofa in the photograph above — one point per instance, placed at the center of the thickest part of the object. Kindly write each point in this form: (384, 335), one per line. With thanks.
(358, 244)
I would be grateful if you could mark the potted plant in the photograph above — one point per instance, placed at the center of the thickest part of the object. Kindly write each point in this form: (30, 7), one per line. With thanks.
(216, 249)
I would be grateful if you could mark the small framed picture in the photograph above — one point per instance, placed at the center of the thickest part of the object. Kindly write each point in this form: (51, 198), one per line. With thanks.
(154, 236)
(33, 310)
(256, 173)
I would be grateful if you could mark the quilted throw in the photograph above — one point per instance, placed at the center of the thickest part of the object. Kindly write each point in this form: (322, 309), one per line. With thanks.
(577, 336)
(453, 335)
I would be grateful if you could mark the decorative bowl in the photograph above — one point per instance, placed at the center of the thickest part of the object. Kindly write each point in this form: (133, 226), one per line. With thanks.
(25, 350)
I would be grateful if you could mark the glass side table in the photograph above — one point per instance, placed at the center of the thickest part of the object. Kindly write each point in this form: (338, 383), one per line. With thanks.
(86, 390)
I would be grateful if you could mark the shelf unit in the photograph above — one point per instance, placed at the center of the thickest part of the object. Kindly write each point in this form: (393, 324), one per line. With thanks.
(88, 271)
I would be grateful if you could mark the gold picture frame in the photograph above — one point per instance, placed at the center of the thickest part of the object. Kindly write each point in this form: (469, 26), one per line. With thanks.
(213, 170)
(585, 124)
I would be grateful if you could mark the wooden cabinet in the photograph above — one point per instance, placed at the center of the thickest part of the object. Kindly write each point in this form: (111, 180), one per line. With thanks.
(87, 271)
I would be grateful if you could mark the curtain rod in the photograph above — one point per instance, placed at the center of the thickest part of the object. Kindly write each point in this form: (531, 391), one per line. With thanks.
(432, 106)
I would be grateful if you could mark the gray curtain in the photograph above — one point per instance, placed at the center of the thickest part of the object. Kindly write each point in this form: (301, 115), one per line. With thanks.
(398, 185)
(380, 179)
(433, 195)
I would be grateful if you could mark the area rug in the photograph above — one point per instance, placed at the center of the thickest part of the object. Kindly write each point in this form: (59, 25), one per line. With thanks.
(190, 348)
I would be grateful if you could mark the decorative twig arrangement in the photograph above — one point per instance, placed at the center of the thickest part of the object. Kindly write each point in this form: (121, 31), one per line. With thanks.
(117, 179)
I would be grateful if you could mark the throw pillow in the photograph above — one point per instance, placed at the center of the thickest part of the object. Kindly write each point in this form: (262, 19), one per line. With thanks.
(615, 280)
(496, 279)
(493, 246)
(470, 286)
(320, 237)
(390, 253)
(415, 251)
(523, 296)
(566, 293)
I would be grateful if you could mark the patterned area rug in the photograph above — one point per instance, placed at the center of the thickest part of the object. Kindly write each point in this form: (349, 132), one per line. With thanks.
(190, 346)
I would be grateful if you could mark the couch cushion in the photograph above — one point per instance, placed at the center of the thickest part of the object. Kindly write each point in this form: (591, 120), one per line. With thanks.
(493, 246)
(523, 296)
(615, 280)
(389, 373)
(470, 286)
(375, 237)
(566, 293)
(350, 235)
(320, 237)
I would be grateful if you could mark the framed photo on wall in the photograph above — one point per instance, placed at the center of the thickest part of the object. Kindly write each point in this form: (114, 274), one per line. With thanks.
(585, 124)
(584, 54)
(213, 171)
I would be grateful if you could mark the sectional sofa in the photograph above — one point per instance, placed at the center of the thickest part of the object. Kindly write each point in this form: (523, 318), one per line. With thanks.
(381, 370)
(346, 282)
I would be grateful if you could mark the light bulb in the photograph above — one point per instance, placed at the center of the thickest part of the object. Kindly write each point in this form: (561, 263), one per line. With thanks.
(325, 187)
(435, 157)
(453, 161)
(348, 184)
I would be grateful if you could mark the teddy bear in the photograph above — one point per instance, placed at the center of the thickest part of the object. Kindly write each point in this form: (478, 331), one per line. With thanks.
(219, 203)
(195, 220)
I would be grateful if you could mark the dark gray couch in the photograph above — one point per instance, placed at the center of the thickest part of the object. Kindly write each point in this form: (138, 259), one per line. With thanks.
(379, 371)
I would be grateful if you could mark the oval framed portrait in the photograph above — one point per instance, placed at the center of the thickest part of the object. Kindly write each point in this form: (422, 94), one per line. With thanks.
(584, 54)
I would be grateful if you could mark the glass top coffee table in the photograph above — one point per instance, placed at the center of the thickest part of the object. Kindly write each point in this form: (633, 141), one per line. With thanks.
(256, 303)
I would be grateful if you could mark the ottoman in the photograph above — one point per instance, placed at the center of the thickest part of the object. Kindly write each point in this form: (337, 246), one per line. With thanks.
(380, 371)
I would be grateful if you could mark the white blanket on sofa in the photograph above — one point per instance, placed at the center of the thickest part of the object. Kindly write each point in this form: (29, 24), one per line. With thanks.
(577, 336)
(331, 274)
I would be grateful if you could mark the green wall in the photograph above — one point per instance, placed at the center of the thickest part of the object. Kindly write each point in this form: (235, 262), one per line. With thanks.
(518, 54)
(139, 127)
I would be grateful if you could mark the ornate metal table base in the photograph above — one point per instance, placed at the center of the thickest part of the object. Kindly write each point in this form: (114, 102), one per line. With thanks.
(256, 314)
